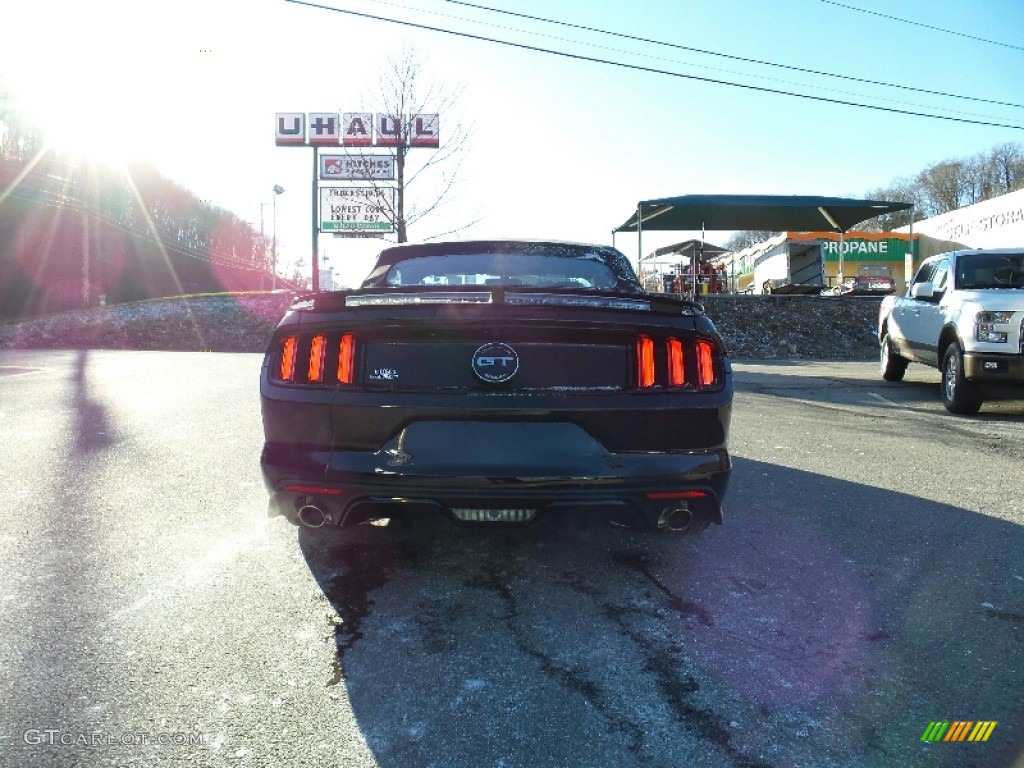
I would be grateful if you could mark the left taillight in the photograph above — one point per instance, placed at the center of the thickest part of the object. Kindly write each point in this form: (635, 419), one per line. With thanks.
(314, 359)
(672, 362)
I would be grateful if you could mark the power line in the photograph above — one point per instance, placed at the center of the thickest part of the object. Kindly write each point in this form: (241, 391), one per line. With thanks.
(651, 70)
(926, 26)
(761, 62)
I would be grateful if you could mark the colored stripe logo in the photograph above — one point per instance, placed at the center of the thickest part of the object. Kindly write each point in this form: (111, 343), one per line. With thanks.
(958, 730)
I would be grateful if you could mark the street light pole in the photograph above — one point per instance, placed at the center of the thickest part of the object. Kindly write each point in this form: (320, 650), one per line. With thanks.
(278, 189)
(263, 247)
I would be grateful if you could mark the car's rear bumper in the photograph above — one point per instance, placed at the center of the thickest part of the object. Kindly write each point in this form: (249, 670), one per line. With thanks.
(497, 472)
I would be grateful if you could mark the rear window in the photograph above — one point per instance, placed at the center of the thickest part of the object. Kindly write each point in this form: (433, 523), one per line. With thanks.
(504, 269)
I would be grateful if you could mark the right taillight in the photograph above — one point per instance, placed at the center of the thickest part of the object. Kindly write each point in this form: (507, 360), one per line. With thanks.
(705, 363)
(687, 363)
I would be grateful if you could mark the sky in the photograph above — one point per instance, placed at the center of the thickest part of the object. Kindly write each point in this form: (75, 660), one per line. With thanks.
(560, 146)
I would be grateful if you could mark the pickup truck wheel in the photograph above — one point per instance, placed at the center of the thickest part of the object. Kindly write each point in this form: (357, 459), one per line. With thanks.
(958, 394)
(892, 365)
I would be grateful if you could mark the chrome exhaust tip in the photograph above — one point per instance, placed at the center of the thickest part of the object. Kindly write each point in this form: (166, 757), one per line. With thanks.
(676, 519)
(311, 516)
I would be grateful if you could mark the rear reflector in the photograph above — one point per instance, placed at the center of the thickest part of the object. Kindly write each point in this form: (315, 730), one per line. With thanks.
(314, 489)
(687, 494)
(473, 515)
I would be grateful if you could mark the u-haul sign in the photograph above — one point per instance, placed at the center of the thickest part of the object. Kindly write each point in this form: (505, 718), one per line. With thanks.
(356, 129)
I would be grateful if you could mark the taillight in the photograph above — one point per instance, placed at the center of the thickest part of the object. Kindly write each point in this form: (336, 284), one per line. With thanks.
(676, 366)
(317, 347)
(686, 364)
(705, 363)
(288, 358)
(314, 357)
(645, 362)
(346, 357)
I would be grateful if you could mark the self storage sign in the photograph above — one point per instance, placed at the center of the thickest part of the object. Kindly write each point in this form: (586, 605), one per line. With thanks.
(357, 209)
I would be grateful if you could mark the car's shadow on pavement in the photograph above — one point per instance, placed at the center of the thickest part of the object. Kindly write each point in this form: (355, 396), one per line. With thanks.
(826, 622)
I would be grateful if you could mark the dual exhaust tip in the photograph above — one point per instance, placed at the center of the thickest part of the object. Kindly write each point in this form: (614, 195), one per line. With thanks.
(677, 519)
(312, 516)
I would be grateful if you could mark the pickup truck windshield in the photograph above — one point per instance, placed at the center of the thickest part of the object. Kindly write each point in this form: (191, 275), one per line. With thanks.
(987, 270)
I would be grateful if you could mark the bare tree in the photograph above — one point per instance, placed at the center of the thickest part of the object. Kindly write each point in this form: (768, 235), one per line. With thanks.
(943, 187)
(1005, 169)
(952, 184)
(405, 95)
(747, 238)
(900, 191)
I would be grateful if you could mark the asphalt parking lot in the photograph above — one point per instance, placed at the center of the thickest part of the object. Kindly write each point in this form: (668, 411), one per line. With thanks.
(868, 580)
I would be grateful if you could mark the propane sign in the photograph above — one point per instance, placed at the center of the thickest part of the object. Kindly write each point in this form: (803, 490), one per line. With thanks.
(357, 210)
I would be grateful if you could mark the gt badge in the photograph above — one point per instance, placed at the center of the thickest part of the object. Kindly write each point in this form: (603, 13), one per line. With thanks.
(495, 362)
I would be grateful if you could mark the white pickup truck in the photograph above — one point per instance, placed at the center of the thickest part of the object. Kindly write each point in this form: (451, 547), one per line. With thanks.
(963, 314)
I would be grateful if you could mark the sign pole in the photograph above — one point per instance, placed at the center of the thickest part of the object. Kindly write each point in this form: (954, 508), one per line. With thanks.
(316, 224)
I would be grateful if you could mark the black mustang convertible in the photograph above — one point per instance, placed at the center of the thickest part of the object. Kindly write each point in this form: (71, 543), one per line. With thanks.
(497, 383)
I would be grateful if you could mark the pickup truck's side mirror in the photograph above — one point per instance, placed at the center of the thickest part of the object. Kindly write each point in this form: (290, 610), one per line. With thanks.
(923, 290)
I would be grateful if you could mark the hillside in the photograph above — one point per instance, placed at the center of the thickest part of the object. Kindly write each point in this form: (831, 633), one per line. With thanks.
(71, 236)
(754, 327)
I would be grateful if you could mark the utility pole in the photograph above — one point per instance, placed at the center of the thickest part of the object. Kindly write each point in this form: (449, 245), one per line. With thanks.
(278, 189)
(263, 248)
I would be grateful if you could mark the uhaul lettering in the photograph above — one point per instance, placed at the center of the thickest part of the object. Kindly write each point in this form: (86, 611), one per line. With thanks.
(291, 128)
(357, 129)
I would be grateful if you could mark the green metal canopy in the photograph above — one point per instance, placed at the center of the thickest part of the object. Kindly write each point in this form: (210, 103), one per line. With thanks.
(804, 213)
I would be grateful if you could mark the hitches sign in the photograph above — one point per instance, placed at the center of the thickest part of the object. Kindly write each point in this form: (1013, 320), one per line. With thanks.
(357, 209)
(356, 129)
(357, 167)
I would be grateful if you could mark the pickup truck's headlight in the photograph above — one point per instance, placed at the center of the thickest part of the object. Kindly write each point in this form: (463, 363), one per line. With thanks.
(984, 326)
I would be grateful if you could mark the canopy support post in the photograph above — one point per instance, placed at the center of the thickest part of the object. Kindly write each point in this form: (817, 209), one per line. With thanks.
(908, 260)
(639, 238)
